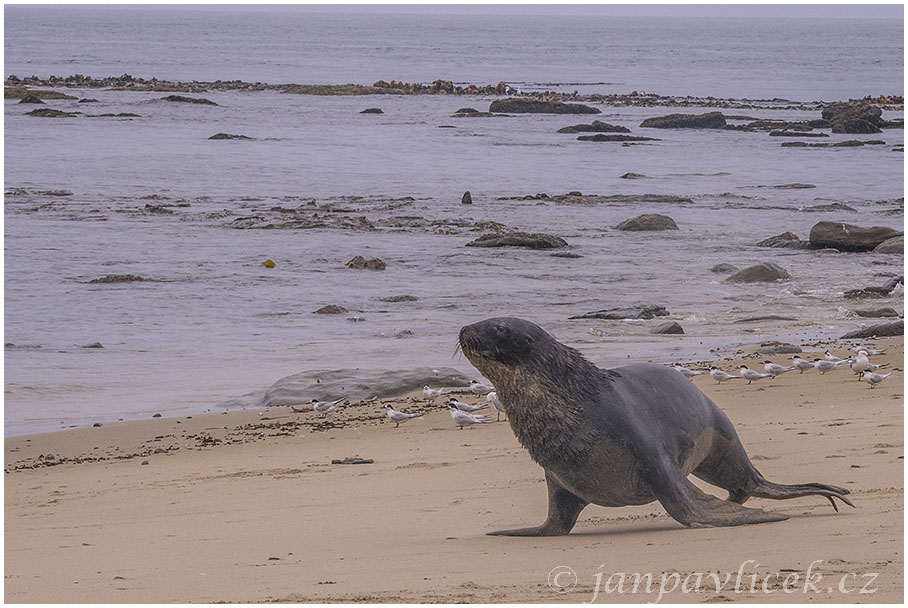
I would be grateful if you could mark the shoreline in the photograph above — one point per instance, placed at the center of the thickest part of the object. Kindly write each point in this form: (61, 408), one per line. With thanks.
(235, 513)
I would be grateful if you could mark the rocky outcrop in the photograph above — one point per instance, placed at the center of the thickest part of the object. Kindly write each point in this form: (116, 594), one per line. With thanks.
(894, 245)
(641, 311)
(853, 117)
(723, 268)
(18, 92)
(533, 240)
(372, 111)
(603, 137)
(876, 313)
(330, 309)
(597, 126)
(774, 347)
(184, 99)
(669, 327)
(538, 106)
(119, 278)
(710, 120)
(31, 99)
(895, 328)
(786, 133)
(361, 263)
(786, 240)
(632, 175)
(228, 136)
(467, 198)
(648, 221)
(759, 273)
(51, 113)
(847, 237)
(873, 291)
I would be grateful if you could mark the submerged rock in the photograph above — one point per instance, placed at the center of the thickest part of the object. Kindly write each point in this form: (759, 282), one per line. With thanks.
(648, 221)
(184, 99)
(848, 237)
(710, 120)
(853, 117)
(632, 175)
(120, 278)
(641, 311)
(724, 268)
(31, 99)
(786, 240)
(361, 263)
(51, 113)
(759, 273)
(529, 240)
(601, 137)
(228, 136)
(536, 106)
(597, 126)
(871, 313)
(372, 111)
(330, 309)
(401, 298)
(669, 327)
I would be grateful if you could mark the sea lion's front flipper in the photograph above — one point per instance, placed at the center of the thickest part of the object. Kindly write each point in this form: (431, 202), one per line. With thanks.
(690, 506)
(564, 507)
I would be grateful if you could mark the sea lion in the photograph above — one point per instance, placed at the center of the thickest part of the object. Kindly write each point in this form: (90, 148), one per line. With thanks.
(624, 436)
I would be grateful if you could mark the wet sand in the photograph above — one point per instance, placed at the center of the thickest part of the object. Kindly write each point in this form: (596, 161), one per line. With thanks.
(246, 507)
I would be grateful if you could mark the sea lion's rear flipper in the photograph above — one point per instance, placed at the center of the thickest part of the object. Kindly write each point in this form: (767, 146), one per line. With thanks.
(564, 508)
(778, 491)
(690, 506)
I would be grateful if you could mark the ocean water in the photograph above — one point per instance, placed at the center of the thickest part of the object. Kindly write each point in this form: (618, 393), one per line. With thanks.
(214, 323)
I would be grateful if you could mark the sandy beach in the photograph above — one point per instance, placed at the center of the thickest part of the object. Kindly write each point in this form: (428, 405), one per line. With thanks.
(246, 506)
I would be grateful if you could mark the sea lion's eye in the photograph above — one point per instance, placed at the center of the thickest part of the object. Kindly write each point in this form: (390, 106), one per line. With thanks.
(501, 329)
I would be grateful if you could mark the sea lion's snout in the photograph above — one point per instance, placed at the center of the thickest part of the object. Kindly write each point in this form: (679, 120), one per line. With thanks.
(503, 339)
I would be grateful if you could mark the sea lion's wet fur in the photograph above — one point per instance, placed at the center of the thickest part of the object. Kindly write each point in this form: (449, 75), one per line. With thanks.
(618, 437)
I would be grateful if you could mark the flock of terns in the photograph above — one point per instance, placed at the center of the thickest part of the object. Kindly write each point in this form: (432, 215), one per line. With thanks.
(463, 414)
(860, 364)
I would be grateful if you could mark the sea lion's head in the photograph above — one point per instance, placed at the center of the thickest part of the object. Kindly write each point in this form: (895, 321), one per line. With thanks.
(501, 346)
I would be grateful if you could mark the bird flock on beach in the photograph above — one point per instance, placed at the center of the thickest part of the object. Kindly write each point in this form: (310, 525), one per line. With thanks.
(466, 414)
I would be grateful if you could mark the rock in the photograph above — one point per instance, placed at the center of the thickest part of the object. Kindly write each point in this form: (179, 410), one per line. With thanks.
(894, 245)
(634, 176)
(759, 273)
(710, 120)
(403, 298)
(118, 115)
(372, 111)
(866, 292)
(784, 133)
(95, 345)
(787, 240)
(97, 424)
(119, 278)
(50, 113)
(766, 318)
(872, 313)
(468, 111)
(330, 309)
(795, 186)
(895, 328)
(828, 208)
(467, 198)
(353, 460)
(847, 237)
(88, 100)
(597, 126)
(566, 254)
(184, 99)
(533, 240)
(228, 136)
(777, 348)
(31, 99)
(360, 263)
(669, 327)
(143, 463)
(536, 106)
(894, 282)
(18, 92)
(601, 137)
(356, 384)
(648, 221)
(853, 117)
(156, 416)
(641, 311)
(724, 268)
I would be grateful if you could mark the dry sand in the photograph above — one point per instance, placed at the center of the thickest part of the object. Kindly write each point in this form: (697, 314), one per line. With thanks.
(246, 507)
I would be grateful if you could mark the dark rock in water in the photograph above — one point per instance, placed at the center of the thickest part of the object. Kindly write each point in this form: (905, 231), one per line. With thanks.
(759, 273)
(787, 240)
(894, 282)
(475, 115)
(88, 100)
(784, 133)
(777, 348)
(601, 137)
(872, 313)
(648, 221)
(536, 106)
(766, 318)
(156, 416)
(710, 120)
(853, 117)
(118, 115)
(50, 113)
(634, 176)
(355, 384)
(184, 99)
(847, 237)
(641, 311)
(228, 136)
(724, 268)
(828, 208)
(31, 99)
(794, 186)
(97, 424)
(119, 278)
(866, 292)
(895, 328)
(330, 309)
(360, 263)
(467, 111)
(95, 345)
(669, 327)
(894, 245)
(566, 254)
(533, 240)
(402, 298)
(353, 460)
(467, 198)
(372, 111)
(597, 126)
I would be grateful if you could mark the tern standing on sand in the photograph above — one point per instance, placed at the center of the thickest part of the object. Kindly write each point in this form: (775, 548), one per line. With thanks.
(719, 376)
(750, 375)
(463, 419)
(399, 417)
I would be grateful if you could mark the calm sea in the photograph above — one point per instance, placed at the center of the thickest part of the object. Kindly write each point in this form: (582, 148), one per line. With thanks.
(214, 323)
